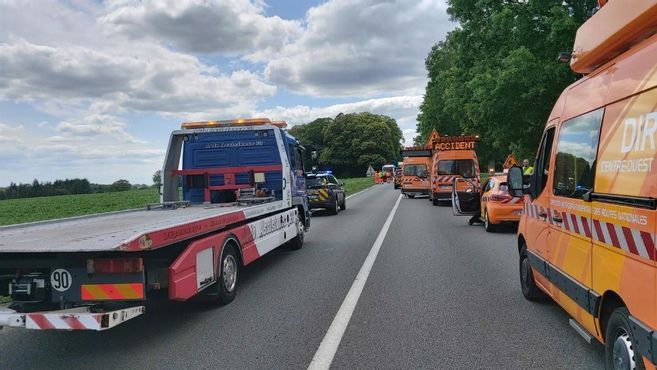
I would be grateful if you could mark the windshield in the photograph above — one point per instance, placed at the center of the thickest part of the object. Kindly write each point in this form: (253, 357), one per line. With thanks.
(419, 170)
(316, 182)
(463, 167)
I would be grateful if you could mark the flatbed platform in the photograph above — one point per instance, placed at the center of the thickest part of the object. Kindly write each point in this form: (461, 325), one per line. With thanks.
(131, 231)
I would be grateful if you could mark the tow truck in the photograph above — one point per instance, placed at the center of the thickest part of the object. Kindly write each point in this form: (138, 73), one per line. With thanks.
(232, 192)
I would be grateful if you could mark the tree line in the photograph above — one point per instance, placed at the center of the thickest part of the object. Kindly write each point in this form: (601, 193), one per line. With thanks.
(497, 75)
(62, 187)
(349, 143)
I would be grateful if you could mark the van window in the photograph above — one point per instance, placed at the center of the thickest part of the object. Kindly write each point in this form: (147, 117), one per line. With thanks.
(463, 167)
(542, 168)
(576, 153)
(419, 170)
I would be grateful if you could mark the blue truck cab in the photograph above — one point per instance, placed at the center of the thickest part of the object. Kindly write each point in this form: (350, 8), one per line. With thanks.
(228, 161)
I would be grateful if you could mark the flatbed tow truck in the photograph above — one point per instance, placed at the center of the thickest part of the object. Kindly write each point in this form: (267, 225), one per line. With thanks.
(243, 195)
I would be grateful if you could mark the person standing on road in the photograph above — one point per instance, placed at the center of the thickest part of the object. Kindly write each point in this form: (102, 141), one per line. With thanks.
(387, 176)
(526, 168)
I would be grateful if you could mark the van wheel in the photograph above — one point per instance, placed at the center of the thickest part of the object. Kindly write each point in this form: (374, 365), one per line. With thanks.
(620, 344)
(489, 227)
(228, 275)
(343, 206)
(411, 195)
(297, 242)
(435, 201)
(527, 282)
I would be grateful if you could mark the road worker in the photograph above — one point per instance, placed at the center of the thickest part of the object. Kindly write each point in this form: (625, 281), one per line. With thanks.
(526, 168)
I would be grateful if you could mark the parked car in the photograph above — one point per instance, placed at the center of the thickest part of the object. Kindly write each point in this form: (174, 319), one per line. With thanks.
(325, 191)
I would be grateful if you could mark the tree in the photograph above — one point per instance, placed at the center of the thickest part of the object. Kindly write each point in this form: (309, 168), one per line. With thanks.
(157, 177)
(349, 143)
(121, 185)
(497, 75)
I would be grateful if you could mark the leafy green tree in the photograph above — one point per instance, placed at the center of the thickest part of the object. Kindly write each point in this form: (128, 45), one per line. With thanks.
(157, 177)
(349, 143)
(497, 75)
(121, 185)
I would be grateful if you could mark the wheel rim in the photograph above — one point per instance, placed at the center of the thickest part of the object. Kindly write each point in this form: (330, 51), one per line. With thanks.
(337, 209)
(229, 274)
(301, 231)
(486, 219)
(623, 352)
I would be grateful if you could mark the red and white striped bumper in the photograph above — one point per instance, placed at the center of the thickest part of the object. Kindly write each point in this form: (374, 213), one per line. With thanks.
(79, 318)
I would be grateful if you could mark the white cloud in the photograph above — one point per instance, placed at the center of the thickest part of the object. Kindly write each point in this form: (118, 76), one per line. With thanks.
(95, 125)
(398, 107)
(362, 48)
(150, 78)
(203, 26)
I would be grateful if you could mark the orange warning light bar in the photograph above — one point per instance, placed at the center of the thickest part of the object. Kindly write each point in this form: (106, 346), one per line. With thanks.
(234, 122)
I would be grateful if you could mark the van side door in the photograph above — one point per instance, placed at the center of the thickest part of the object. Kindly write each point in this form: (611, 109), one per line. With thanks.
(535, 227)
(569, 216)
(624, 206)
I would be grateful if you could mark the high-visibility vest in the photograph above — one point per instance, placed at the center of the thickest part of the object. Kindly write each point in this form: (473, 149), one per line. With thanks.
(528, 170)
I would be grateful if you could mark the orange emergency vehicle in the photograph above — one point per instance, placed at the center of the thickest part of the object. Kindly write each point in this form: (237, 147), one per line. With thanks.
(415, 171)
(587, 235)
(454, 158)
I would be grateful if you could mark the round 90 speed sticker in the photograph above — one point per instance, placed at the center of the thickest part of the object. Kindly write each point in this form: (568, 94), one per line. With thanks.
(61, 280)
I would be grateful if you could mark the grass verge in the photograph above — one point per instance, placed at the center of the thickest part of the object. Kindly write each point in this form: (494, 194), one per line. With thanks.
(354, 185)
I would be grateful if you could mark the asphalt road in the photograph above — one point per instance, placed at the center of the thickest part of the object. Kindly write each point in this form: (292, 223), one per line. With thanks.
(441, 294)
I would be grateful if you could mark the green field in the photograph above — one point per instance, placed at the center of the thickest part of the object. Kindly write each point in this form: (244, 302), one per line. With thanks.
(15, 211)
(352, 186)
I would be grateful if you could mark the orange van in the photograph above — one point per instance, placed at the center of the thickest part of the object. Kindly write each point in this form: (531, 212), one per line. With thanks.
(415, 171)
(586, 238)
(448, 165)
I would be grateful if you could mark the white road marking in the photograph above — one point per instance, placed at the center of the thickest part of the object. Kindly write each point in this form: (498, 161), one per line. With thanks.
(327, 349)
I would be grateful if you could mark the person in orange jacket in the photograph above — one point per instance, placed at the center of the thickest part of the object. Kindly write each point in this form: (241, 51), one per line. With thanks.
(388, 176)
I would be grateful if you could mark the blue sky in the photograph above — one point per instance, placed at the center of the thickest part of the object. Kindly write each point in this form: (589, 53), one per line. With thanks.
(93, 89)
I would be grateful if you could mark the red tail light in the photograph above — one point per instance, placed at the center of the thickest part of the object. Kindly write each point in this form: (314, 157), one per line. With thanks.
(115, 265)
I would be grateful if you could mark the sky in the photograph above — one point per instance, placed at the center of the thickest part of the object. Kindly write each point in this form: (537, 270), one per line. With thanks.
(93, 88)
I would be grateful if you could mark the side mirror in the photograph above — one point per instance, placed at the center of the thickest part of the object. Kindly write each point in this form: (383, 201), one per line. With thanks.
(515, 181)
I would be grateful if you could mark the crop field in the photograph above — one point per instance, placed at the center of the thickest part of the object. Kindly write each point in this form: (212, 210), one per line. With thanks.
(15, 211)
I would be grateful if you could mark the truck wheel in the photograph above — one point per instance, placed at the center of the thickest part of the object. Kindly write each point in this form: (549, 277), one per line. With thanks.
(435, 201)
(620, 344)
(228, 271)
(297, 242)
(411, 195)
(336, 208)
(527, 282)
(343, 206)
(489, 227)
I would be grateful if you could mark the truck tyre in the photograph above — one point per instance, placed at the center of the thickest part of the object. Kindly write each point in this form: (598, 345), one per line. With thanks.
(343, 206)
(411, 195)
(489, 227)
(620, 344)
(336, 208)
(435, 201)
(527, 282)
(228, 275)
(297, 242)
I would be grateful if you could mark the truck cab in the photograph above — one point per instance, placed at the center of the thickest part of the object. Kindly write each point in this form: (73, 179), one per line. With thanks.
(415, 171)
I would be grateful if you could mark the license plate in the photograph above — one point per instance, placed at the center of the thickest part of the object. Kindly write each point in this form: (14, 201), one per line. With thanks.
(445, 187)
(312, 197)
(517, 212)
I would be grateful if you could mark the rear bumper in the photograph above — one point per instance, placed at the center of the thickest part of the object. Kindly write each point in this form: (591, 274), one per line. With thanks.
(415, 191)
(499, 213)
(328, 203)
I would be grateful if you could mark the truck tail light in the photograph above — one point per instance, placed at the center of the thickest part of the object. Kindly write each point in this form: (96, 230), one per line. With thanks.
(115, 265)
